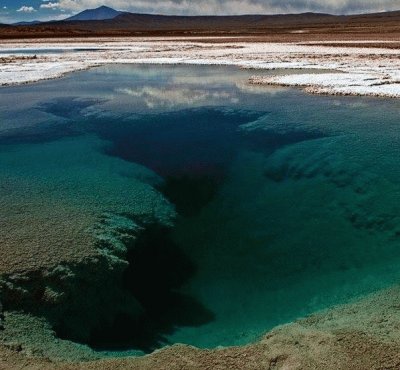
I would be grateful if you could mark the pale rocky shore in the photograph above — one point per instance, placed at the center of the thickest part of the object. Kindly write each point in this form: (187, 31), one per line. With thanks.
(351, 67)
(363, 334)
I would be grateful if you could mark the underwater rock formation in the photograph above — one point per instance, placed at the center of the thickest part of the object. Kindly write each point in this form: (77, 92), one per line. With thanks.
(65, 243)
(365, 209)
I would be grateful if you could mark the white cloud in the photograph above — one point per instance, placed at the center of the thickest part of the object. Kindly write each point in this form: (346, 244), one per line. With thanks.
(50, 5)
(235, 6)
(173, 97)
(26, 9)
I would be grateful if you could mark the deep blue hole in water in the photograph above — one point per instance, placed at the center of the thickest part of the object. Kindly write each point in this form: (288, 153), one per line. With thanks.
(157, 269)
(286, 203)
(192, 150)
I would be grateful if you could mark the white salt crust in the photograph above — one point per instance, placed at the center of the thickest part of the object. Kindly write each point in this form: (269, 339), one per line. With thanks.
(365, 71)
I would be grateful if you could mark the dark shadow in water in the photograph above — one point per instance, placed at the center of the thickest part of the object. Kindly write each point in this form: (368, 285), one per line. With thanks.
(193, 149)
(192, 142)
(190, 194)
(157, 269)
(197, 144)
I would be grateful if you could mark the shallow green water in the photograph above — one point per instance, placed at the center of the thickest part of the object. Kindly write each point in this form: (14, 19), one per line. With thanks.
(286, 203)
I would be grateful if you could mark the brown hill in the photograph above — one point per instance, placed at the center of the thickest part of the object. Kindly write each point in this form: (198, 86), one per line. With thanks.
(129, 24)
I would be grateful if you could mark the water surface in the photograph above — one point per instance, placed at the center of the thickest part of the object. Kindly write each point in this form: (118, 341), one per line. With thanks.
(44, 51)
(286, 203)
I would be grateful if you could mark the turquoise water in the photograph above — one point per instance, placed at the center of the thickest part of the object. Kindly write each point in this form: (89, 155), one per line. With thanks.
(286, 203)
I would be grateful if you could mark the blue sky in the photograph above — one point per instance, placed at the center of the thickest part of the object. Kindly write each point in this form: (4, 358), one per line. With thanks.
(23, 10)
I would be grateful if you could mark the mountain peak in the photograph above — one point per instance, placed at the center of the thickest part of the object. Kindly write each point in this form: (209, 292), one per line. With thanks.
(104, 7)
(101, 13)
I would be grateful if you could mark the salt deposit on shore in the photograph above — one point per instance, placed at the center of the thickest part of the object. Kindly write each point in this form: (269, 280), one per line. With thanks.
(364, 70)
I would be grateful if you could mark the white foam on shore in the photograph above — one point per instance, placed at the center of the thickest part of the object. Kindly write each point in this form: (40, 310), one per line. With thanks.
(365, 70)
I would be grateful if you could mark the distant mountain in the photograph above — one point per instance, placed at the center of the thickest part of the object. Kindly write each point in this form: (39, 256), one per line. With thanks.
(98, 14)
(154, 22)
(105, 21)
(26, 23)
